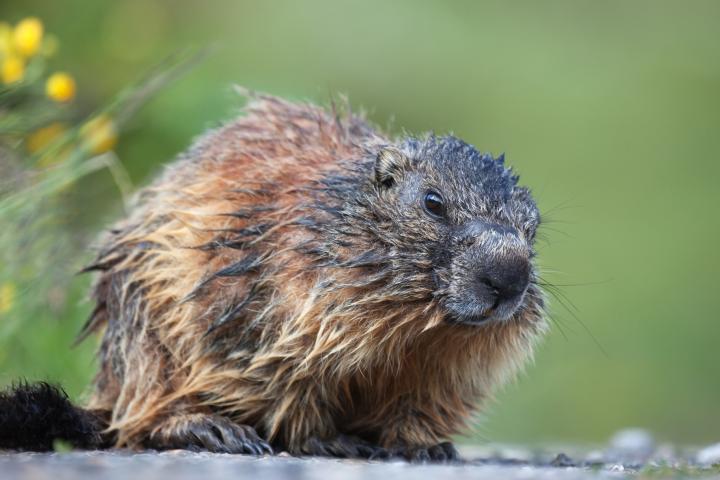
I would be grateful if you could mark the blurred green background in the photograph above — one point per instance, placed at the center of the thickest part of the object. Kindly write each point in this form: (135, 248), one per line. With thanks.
(610, 111)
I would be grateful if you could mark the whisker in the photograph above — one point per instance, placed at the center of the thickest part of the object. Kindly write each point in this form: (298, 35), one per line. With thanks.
(560, 296)
(564, 285)
(554, 320)
(564, 205)
(544, 228)
(572, 309)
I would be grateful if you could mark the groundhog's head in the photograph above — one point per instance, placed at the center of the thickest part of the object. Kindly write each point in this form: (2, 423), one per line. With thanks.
(443, 223)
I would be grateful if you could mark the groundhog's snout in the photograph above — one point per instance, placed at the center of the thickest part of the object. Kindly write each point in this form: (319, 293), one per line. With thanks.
(492, 274)
(503, 281)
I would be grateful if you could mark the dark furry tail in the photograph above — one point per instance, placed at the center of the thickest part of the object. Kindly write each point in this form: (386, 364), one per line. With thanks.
(34, 416)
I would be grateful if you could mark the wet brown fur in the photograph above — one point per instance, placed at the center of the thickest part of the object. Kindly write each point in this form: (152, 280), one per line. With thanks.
(213, 308)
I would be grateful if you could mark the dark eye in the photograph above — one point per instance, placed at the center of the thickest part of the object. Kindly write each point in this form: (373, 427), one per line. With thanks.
(433, 203)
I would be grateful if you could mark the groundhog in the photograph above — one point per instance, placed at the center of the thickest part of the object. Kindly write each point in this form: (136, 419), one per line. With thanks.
(297, 281)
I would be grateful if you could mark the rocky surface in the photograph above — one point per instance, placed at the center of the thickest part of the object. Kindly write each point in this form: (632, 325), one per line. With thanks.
(630, 454)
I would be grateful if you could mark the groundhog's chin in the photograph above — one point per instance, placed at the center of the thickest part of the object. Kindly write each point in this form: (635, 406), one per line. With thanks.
(476, 312)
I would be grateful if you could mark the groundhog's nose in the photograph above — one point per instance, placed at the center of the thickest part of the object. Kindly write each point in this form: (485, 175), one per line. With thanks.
(504, 280)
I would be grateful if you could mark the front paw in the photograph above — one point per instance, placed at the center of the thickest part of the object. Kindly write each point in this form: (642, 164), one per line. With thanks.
(440, 453)
(342, 446)
(207, 432)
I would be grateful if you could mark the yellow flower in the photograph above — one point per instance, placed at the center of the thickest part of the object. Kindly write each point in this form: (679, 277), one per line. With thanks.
(13, 69)
(60, 87)
(27, 36)
(5, 38)
(99, 134)
(7, 296)
(42, 137)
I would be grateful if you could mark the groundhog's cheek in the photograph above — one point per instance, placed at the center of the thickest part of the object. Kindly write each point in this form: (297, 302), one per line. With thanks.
(463, 297)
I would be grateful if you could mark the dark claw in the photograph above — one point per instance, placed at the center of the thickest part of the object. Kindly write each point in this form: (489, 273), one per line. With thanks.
(420, 455)
(436, 452)
(451, 453)
(381, 454)
(342, 446)
(366, 451)
(442, 453)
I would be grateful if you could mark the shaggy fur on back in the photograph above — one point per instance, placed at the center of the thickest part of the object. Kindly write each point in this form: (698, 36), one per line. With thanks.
(269, 289)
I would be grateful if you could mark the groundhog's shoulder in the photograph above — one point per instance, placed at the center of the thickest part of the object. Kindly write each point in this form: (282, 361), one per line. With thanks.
(273, 147)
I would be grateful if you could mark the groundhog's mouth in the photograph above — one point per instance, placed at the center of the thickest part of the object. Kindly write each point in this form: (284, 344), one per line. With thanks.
(477, 313)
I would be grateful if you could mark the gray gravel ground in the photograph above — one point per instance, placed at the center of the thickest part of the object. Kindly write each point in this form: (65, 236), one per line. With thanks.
(631, 454)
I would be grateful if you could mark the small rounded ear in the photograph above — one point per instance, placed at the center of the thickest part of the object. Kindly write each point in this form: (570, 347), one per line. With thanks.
(389, 165)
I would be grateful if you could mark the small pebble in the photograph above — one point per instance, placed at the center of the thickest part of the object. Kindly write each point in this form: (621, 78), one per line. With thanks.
(633, 443)
(633, 440)
(709, 455)
(563, 460)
